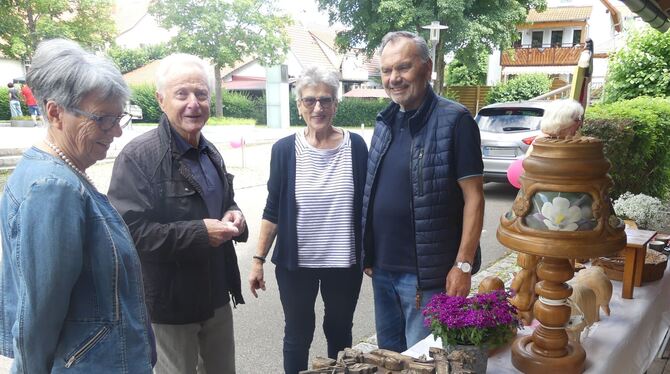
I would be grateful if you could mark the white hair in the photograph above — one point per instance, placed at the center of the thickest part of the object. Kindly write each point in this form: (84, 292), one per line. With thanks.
(560, 115)
(62, 71)
(180, 60)
(315, 75)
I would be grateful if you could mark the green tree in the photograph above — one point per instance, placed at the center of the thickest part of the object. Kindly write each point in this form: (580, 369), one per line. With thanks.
(225, 32)
(24, 24)
(463, 74)
(473, 26)
(130, 59)
(642, 68)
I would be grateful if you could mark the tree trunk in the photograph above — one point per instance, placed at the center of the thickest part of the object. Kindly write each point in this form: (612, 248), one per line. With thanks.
(439, 66)
(217, 89)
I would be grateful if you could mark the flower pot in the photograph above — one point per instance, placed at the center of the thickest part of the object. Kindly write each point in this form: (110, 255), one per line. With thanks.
(472, 357)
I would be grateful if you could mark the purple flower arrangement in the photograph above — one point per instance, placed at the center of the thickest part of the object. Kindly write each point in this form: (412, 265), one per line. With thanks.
(482, 320)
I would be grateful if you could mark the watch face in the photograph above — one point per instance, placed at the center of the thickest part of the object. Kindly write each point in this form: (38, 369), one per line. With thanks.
(465, 267)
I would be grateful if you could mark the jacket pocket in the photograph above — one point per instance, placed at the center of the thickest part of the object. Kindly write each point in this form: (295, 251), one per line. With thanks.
(78, 353)
(178, 199)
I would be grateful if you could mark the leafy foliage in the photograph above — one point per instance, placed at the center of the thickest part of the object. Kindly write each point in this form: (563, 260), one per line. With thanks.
(467, 74)
(642, 68)
(473, 26)
(636, 142)
(130, 59)
(350, 112)
(522, 87)
(5, 113)
(225, 32)
(24, 24)
(144, 95)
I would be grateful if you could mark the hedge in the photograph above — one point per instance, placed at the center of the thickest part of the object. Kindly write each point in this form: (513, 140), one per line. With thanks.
(350, 112)
(522, 87)
(636, 142)
(234, 104)
(5, 114)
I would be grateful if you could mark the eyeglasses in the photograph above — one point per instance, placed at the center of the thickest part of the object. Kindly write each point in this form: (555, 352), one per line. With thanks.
(105, 123)
(310, 101)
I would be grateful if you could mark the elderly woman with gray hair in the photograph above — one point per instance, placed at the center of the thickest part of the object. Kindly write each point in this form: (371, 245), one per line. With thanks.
(71, 295)
(313, 209)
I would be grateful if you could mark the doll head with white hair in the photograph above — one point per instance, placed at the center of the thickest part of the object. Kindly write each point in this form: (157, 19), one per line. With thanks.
(562, 118)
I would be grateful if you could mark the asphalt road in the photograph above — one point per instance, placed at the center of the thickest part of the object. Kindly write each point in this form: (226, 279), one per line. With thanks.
(259, 323)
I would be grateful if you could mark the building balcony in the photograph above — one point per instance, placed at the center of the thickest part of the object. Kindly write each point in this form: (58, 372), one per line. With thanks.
(542, 56)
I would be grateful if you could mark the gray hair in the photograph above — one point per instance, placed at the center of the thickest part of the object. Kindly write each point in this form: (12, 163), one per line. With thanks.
(560, 115)
(65, 73)
(421, 45)
(315, 75)
(176, 60)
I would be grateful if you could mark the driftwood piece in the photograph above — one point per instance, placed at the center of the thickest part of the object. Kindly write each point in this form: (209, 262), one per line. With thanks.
(322, 362)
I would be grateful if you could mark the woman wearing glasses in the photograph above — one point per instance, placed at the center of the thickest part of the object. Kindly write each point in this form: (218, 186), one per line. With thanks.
(71, 295)
(313, 209)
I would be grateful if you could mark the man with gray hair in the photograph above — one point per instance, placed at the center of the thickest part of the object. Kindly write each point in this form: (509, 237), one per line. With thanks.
(172, 189)
(423, 203)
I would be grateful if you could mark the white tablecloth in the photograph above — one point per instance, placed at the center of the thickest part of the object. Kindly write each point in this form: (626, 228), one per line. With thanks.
(625, 342)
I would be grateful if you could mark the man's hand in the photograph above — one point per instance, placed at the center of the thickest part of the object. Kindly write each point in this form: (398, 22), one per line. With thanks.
(220, 232)
(236, 218)
(458, 282)
(256, 278)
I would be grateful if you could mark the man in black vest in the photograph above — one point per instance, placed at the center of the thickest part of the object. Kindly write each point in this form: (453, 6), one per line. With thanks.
(423, 206)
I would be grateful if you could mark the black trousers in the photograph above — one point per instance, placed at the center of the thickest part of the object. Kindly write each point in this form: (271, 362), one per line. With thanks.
(297, 291)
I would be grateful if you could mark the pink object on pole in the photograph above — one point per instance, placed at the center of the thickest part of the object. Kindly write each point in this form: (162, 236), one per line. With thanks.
(237, 143)
(514, 171)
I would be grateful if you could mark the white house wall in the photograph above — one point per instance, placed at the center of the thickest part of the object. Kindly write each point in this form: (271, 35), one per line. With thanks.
(10, 69)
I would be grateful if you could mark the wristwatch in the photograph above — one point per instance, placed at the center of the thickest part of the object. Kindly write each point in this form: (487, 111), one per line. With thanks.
(464, 266)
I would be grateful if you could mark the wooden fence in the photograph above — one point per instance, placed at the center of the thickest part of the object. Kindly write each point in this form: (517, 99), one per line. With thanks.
(472, 97)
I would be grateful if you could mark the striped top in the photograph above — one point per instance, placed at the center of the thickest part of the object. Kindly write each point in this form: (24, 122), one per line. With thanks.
(324, 195)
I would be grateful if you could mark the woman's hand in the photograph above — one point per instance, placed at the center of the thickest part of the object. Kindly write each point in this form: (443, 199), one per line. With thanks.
(256, 277)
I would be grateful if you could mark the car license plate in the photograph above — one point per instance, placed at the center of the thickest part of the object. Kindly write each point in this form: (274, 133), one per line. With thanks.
(499, 152)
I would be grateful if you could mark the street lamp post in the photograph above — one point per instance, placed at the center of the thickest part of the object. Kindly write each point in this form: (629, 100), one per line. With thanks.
(434, 28)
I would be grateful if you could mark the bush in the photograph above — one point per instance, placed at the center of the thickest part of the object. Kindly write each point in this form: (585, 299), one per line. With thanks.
(635, 139)
(642, 68)
(523, 87)
(131, 59)
(5, 114)
(144, 95)
(236, 105)
(353, 112)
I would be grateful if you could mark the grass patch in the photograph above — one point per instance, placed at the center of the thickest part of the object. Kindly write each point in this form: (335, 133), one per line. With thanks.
(4, 174)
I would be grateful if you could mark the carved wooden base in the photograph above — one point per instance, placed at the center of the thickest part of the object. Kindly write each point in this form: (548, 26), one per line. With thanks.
(548, 347)
(526, 360)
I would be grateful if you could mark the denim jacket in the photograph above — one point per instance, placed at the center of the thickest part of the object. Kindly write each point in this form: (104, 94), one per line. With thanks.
(71, 296)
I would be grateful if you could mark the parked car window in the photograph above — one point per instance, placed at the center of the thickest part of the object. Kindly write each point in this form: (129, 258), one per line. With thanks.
(502, 120)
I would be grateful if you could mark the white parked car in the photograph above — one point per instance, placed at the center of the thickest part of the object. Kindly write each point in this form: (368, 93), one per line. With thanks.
(507, 130)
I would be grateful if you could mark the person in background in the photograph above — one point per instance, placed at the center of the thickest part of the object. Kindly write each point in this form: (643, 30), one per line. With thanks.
(71, 295)
(172, 188)
(14, 103)
(313, 211)
(423, 206)
(33, 109)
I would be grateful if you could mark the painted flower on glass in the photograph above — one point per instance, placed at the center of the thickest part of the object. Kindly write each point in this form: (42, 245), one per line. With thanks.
(560, 216)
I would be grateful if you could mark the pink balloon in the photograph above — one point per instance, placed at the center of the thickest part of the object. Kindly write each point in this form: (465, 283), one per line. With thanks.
(514, 172)
(237, 143)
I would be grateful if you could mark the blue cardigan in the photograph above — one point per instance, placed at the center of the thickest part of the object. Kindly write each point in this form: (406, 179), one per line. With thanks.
(280, 207)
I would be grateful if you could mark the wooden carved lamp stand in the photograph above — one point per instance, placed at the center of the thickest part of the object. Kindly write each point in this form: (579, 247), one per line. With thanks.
(562, 212)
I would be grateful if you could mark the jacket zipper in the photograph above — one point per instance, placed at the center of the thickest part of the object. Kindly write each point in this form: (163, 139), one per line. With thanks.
(420, 171)
(419, 294)
(87, 346)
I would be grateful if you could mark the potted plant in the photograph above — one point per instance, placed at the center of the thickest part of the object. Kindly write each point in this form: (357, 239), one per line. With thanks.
(646, 211)
(474, 324)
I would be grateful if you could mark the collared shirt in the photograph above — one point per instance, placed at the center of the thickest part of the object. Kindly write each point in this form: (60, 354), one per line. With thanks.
(203, 170)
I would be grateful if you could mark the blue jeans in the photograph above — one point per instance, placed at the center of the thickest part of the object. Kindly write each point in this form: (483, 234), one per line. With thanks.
(398, 322)
(297, 291)
(15, 108)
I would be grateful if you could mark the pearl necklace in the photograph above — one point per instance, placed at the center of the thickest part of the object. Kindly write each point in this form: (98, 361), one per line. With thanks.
(68, 162)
